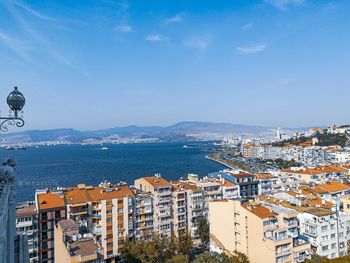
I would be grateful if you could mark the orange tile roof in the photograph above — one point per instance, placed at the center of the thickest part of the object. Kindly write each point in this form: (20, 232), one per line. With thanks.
(319, 202)
(50, 200)
(221, 181)
(331, 187)
(260, 211)
(263, 176)
(241, 175)
(279, 202)
(76, 196)
(102, 193)
(317, 170)
(184, 185)
(157, 181)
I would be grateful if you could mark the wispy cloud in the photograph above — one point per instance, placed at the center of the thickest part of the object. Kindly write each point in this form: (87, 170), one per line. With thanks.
(247, 26)
(201, 44)
(251, 49)
(174, 19)
(283, 4)
(31, 11)
(21, 48)
(125, 28)
(156, 38)
(36, 39)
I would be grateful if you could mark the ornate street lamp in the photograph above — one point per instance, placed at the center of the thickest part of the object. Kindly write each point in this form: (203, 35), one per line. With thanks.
(16, 102)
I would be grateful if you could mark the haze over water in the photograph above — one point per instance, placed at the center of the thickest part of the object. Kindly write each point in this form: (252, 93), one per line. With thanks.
(69, 165)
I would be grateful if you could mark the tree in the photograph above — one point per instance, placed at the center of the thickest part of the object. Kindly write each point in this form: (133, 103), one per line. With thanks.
(180, 259)
(317, 259)
(240, 258)
(214, 257)
(184, 244)
(203, 230)
(159, 250)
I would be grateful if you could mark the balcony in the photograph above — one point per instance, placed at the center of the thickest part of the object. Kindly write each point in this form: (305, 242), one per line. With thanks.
(96, 231)
(96, 216)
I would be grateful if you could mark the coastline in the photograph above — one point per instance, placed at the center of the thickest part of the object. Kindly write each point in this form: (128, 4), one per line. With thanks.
(220, 162)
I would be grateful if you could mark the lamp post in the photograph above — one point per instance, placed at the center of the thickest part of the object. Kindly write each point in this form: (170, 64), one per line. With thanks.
(15, 101)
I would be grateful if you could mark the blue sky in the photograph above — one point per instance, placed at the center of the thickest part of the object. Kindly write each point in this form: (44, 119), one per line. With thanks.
(96, 64)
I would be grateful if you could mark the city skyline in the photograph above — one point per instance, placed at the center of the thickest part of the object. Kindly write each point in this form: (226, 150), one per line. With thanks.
(277, 63)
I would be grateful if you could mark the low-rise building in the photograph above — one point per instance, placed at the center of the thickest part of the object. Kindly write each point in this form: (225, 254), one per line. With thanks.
(72, 247)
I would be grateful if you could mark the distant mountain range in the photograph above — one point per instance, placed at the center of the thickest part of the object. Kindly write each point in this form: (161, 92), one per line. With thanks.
(176, 132)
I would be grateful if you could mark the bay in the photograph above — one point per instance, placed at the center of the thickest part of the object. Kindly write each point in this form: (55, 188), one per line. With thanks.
(69, 165)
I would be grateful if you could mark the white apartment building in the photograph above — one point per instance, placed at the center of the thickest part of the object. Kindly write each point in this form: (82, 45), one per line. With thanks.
(326, 231)
(161, 192)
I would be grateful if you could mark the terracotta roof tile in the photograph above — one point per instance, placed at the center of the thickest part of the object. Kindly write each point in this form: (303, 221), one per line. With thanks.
(50, 200)
(102, 193)
(157, 181)
(76, 196)
(260, 211)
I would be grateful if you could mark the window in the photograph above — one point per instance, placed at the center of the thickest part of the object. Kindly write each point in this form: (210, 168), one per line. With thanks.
(57, 214)
(341, 234)
(324, 228)
(334, 245)
(324, 238)
(332, 235)
(332, 226)
(44, 216)
(324, 248)
(110, 244)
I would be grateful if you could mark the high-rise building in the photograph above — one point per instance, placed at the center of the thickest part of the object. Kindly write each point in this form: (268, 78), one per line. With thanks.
(143, 215)
(161, 191)
(51, 208)
(106, 211)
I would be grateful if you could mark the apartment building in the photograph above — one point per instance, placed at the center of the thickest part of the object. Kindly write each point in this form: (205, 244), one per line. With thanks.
(248, 183)
(192, 208)
(71, 246)
(266, 181)
(51, 208)
(106, 211)
(161, 192)
(228, 189)
(143, 215)
(27, 223)
(326, 231)
(256, 231)
(319, 173)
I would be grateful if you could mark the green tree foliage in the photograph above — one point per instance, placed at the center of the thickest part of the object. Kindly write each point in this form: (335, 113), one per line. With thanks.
(157, 250)
(208, 257)
(213, 257)
(319, 259)
(203, 229)
(331, 139)
(184, 244)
